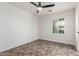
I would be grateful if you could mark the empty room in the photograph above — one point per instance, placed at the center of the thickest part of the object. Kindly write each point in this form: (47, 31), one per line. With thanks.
(39, 29)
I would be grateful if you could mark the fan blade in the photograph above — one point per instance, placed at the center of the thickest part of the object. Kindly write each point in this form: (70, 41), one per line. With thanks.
(34, 4)
(48, 6)
(37, 11)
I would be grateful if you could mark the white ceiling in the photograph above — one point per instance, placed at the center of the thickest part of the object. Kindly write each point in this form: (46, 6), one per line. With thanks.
(59, 6)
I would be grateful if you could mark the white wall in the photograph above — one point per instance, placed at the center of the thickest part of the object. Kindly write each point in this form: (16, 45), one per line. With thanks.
(46, 27)
(77, 26)
(16, 26)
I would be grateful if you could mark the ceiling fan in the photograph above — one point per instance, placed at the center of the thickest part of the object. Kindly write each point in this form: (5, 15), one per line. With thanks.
(39, 6)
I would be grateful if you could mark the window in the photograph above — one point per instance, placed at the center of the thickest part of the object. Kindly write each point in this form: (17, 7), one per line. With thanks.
(58, 26)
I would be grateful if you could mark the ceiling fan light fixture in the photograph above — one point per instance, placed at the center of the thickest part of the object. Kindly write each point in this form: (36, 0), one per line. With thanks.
(39, 8)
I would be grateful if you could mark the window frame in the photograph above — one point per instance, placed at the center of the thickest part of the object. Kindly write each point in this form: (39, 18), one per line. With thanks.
(58, 23)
